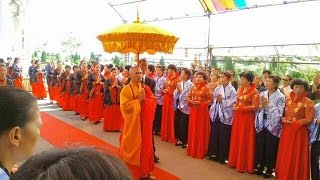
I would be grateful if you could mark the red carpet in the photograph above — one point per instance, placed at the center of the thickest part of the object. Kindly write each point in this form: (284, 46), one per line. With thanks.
(61, 134)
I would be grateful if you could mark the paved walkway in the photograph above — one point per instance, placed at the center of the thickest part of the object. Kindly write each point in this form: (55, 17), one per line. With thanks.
(172, 159)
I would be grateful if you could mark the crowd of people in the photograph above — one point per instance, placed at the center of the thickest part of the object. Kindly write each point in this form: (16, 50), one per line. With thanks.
(253, 125)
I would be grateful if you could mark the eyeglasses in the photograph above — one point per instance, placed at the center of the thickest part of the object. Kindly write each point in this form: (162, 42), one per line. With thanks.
(284, 79)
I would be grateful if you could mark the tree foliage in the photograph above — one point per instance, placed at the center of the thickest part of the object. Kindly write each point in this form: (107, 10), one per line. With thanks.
(161, 62)
(116, 60)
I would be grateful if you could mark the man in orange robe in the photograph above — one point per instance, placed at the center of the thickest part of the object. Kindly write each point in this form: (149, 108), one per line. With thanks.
(136, 138)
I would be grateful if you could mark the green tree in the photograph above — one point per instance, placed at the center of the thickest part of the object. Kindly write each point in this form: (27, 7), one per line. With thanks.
(75, 59)
(228, 63)
(116, 60)
(214, 62)
(44, 57)
(122, 63)
(92, 56)
(162, 63)
(34, 55)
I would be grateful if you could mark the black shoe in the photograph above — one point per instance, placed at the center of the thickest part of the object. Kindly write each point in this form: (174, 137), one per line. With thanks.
(259, 171)
(156, 158)
(267, 174)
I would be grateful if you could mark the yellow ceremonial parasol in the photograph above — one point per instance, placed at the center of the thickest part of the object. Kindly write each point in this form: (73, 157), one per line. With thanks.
(138, 38)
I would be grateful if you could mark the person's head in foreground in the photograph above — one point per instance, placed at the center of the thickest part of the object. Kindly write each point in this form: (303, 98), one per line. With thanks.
(20, 124)
(73, 164)
(299, 86)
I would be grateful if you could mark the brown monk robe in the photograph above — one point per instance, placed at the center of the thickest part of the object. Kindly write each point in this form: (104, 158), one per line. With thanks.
(137, 105)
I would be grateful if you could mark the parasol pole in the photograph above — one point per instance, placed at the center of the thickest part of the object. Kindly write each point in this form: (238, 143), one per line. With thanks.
(137, 58)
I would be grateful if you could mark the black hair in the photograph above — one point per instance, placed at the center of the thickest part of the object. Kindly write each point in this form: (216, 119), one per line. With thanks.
(173, 67)
(187, 72)
(299, 81)
(203, 74)
(120, 68)
(112, 69)
(267, 71)
(1, 60)
(101, 67)
(110, 66)
(16, 59)
(75, 66)
(162, 68)
(127, 67)
(17, 107)
(227, 74)
(248, 75)
(36, 61)
(77, 163)
(275, 79)
(151, 68)
(67, 66)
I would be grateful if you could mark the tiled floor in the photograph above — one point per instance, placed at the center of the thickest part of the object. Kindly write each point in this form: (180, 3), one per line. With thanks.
(172, 159)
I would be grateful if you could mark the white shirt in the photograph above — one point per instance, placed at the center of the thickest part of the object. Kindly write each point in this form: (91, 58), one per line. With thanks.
(3, 175)
(287, 90)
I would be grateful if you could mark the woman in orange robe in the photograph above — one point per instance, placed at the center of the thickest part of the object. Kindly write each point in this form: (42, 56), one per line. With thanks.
(16, 73)
(95, 89)
(112, 116)
(199, 98)
(75, 89)
(293, 153)
(242, 143)
(167, 121)
(57, 82)
(82, 77)
(51, 83)
(40, 90)
(65, 95)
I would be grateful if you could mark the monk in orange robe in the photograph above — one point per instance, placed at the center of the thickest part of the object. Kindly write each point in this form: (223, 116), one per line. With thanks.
(137, 105)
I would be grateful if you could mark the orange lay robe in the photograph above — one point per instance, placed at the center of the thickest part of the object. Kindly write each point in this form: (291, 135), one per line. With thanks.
(57, 88)
(65, 96)
(95, 89)
(18, 82)
(113, 119)
(39, 88)
(83, 95)
(51, 89)
(243, 133)
(167, 122)
(293, 153)
(199, 121)
(136, 147)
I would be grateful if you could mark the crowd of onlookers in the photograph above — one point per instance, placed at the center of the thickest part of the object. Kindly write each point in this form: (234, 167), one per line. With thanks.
(261, 124)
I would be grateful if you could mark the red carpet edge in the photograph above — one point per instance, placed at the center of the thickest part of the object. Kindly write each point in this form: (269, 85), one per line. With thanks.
(61, 135)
